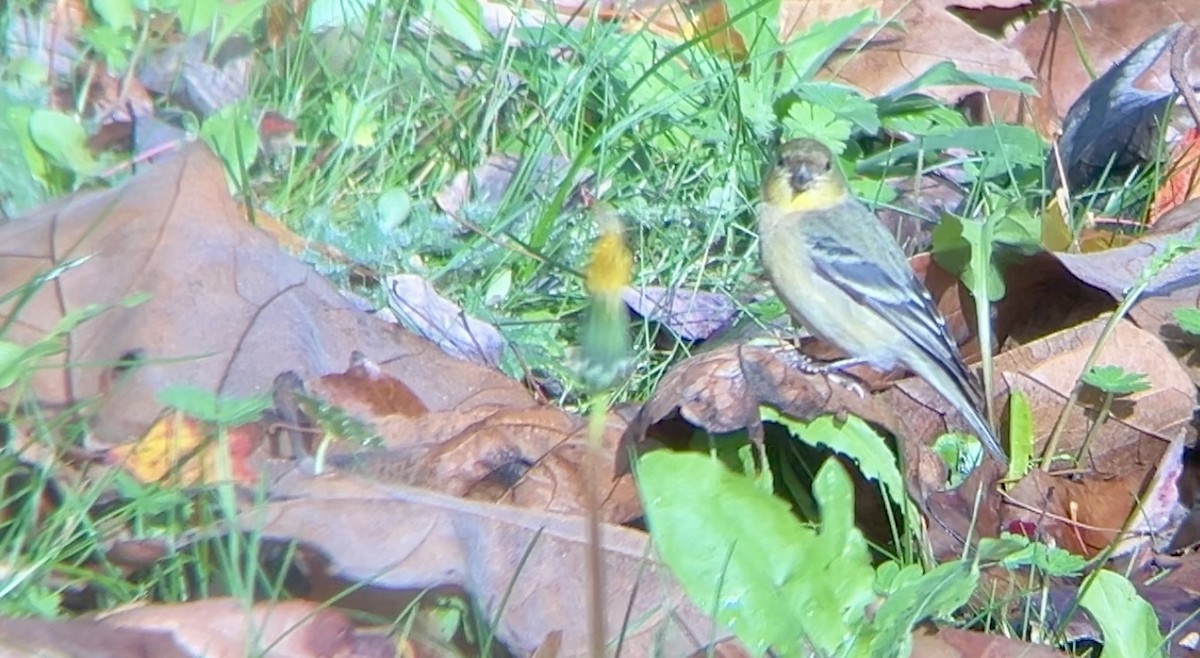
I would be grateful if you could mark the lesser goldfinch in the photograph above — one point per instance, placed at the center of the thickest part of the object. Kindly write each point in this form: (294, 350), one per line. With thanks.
(842, 275)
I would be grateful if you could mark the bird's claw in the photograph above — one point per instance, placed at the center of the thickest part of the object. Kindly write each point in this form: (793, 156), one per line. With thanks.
(834, 371)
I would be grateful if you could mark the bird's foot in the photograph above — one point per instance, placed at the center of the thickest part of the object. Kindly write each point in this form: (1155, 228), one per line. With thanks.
(834, 371)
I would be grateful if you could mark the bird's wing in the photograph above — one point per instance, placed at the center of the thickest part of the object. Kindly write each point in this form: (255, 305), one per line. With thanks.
(893, 291)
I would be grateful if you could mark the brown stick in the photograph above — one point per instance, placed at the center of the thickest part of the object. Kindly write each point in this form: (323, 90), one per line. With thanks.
(1184, 40)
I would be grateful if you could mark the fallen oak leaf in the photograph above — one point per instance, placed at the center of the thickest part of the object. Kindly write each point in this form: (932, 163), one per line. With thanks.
(226, 304)
(721, 390)
(496, 553)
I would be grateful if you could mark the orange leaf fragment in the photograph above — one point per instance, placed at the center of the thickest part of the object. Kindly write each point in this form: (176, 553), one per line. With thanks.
(1183, 179)
(184, 450)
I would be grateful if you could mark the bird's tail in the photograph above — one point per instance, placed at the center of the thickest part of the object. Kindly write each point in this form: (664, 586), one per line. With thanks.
(956, 386)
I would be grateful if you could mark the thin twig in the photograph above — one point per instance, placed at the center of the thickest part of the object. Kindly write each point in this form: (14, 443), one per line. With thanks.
(1184, 40)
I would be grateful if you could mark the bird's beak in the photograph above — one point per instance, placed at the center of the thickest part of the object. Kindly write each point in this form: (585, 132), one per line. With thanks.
(801, 177)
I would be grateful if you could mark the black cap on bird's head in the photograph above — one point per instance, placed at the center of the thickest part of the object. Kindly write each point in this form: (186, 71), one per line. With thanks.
(805, 160)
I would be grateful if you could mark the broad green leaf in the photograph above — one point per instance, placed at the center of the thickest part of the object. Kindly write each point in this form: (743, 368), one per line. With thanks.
(843, 101)
(1000, 146)
(1127, 621)
(233, 136)
(1115, 380)
(237, 18)
(1016, 552)
(20, 188)
(63, 140)
(947, 73)
(961, 453)
(196, 16)
(914, 599)
(967, 247)
(805, 54)
(742, 555)
(117, 14)
(1188, 319)
(1020, 434)
(854, 439)
(350, 122)
(874, 191)
(757, 21)
(917, 115)
(755, 108)
(806, 119)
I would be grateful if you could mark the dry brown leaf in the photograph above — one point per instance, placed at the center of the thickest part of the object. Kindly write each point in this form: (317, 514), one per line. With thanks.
(721, 390)
(363, 390)
(1082, 515)
(224, 628)
(78, 638)
(525, 456)
(531, 458)
(1106, 32)
(952, 642)
(1173, 597)
(689, 314)
(403, 540)
(228, 308)
(922, 34)
(1136, 436)
(894, 57)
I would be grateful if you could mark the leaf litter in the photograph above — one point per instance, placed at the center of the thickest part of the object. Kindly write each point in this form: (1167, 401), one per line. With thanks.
(485, 479)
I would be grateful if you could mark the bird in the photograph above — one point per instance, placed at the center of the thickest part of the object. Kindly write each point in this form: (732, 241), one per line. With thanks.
(841, 274)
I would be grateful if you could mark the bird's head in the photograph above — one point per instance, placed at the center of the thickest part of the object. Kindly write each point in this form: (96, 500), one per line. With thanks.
(804, 177)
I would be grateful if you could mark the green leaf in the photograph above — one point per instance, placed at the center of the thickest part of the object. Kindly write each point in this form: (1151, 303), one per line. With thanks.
(806, 53)
(755, 107)
(63, 140)
(462, 20)
(845, 102)
(1021, 434)
(853, 438)
(1127, 621)
(967, 247)
(114, 46)
(1115, 380)
(1017, 552)
(236, 18)
(917, 115)
(741, 554)
(1001, 147)
(757, 21)
(1188, 319)
(20, 188)
(117, 14)
(914, 599)
(206, 406)
(806, 119)
(350, 122)
(961, 453)
(233, 136)
(946, 73)
(11, 358)
(196, 16)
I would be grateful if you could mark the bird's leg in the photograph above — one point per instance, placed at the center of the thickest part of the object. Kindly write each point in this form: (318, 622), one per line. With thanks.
(835, 371)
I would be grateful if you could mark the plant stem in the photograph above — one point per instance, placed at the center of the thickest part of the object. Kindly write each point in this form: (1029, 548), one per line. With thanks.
(595, 568)
(1101, 416)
